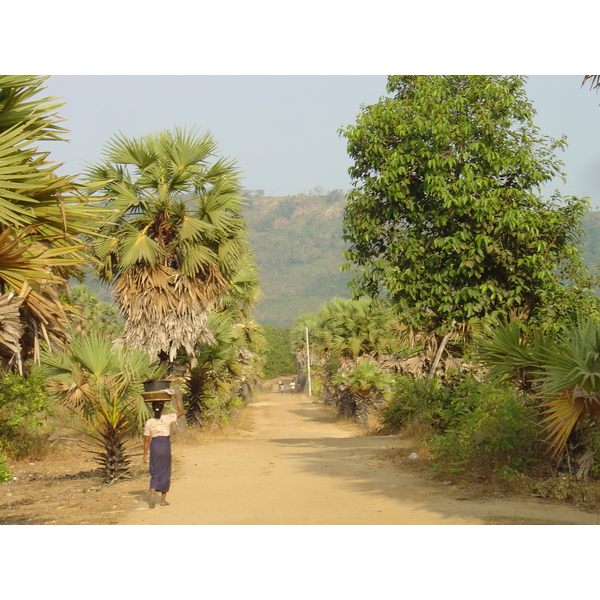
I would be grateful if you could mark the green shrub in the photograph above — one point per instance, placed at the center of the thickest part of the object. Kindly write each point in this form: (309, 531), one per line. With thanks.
(428, 402)
(24, 409)
(5, 473)
(489, 427)
(474, 424)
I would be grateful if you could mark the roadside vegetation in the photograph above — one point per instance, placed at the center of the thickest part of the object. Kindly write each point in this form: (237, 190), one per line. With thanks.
(473, 325)
(278, 355)
(158, 222)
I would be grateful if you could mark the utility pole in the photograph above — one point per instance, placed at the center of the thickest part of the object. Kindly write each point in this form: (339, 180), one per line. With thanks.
(308, 364)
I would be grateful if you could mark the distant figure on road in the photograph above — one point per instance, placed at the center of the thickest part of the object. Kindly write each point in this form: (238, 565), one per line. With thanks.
(281, 386)
(292, 387)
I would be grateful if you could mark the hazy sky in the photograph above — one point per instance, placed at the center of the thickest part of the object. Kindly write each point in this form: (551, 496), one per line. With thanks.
(283, 130)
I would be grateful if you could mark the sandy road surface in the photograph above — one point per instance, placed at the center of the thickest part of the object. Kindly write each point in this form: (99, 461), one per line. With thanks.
(289, 463)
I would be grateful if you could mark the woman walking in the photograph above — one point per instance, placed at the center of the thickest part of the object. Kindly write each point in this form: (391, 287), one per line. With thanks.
(157, 440)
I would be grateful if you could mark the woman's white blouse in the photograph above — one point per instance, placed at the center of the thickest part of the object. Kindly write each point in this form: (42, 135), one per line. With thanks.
(160, 427)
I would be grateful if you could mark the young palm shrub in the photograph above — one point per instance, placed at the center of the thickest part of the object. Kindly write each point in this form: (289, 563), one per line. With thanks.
(102, 384)
(561, 371)
(367, 385)
(512, 353)
(570, 383)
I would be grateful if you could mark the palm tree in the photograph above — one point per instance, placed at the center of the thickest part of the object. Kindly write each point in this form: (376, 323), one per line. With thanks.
(176, 240)
(368, 386)
(570, 384)
(512, 352)
(561, 371)
(351, 328)
(345, 333)
(214, 378)
(101, 385)
(43, 217)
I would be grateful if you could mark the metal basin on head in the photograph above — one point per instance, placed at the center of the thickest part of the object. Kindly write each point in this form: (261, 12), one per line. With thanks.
(156, 386)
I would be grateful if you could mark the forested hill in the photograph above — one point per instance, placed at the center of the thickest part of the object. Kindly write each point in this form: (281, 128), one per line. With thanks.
(297, 241)
(591, 241)
(298, 245)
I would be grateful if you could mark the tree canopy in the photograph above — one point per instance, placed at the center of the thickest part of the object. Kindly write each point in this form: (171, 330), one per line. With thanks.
(176, 243)
(447, 216)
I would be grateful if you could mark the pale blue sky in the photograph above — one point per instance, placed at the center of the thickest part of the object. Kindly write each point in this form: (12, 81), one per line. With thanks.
(283, 130)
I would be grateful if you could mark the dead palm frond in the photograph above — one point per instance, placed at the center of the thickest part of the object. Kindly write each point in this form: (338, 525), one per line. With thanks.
(593, 79)
(165, 311)
(11, 329)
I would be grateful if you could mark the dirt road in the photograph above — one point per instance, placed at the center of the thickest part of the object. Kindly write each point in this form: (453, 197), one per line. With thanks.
(290, 463)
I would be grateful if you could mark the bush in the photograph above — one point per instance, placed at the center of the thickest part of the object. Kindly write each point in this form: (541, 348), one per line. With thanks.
(419, 401)
(24, 409)
(473, 424)
(5, 473)
(488, 427)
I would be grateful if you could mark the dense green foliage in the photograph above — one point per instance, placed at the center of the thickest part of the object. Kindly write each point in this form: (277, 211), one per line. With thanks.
(488, 427)
(279, 358)
(447, 216)
(472, 425)
(24, 408)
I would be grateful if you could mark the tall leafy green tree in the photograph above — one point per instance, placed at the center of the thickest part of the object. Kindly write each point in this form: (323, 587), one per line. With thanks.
(447, 216)
(279, 358)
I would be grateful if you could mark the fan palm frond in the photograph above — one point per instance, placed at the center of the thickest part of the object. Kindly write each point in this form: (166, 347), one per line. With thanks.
(43, 216)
